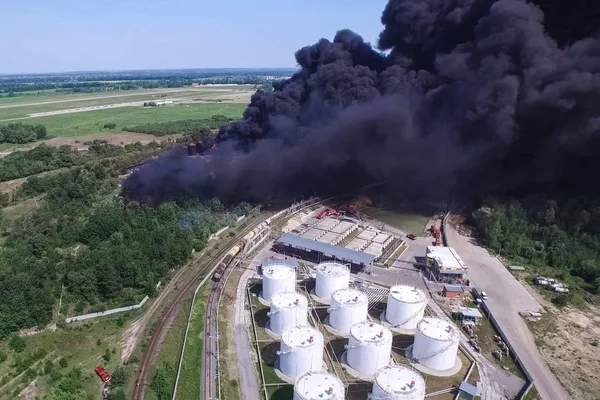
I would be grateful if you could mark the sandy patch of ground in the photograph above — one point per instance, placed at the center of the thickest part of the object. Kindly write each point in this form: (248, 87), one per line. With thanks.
(31, 392)
(569, 340)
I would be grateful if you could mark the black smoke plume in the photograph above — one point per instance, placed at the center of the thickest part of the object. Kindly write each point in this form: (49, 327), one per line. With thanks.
(472, 97)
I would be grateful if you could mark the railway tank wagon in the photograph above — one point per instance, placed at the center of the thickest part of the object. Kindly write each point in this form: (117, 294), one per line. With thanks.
(318, 386)
(225, 262)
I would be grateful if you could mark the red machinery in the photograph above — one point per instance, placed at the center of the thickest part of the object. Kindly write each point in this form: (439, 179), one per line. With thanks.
(437, 234)
(321, 214)
(101, 372)
(333, 212)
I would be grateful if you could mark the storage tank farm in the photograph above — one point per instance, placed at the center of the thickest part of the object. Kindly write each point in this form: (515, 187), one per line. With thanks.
(405, 307)
(331, 276)
(317, 386)
(288, 309)
(398, 382)
(369, 347)
(348, 306)
(301, 351)
(278, 278)
(436, 344)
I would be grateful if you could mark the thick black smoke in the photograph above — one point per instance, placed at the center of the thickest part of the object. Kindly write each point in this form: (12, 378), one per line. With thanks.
(474, 96)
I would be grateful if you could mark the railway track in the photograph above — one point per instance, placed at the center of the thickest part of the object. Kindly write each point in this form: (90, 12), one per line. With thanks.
(162, 325)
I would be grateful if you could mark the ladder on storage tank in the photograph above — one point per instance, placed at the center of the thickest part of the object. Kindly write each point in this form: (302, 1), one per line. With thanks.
(432, 354)
(405, 320)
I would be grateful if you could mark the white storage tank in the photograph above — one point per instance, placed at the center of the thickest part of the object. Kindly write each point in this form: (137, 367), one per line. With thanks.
(278, 278)
(369, 347)
(288, 309)
(331, 276)
(398, 382)
(436, 343)
(405, 307)
(317, 386)
(348, 306)
(301, 351)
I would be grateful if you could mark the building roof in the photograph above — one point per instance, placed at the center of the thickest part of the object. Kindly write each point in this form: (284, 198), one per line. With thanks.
(470, 312)
(454, 288)
(468, 388)
(446, 258)
(339, 253)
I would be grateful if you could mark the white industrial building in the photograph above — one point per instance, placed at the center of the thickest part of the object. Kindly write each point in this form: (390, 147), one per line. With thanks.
(288, 309)
(277, 277)
(398, 382)
(318, 386)
(405, 307)
(436, 344)
(445, 265)
(331, 276)
(348, 307)
(301, 351)
(369, 347)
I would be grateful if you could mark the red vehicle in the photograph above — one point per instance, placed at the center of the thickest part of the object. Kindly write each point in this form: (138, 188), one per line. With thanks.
(333, 212)
(411, 236)
(101, 372)
(321, 214)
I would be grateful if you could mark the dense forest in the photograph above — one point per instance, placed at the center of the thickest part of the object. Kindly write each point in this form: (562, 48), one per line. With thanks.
(540, 231)
(21, 133)
(195, 128)
(95, 248)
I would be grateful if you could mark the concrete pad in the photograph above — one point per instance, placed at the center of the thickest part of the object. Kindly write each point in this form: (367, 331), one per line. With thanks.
(332, 330)
(319, 299)
(434, 372)
(263, 301)
(396, 329)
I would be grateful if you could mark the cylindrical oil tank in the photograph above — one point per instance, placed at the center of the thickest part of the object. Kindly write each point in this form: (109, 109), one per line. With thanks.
(436, 343)
(331, 276)
(398, 382)
(301, 351)
(317, 386)
(288, 309)
(369, 347)
(348, 306)
(278, 278)
(405, 307)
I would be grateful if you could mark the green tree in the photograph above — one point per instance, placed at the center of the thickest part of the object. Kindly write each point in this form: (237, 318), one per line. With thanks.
(16, 343)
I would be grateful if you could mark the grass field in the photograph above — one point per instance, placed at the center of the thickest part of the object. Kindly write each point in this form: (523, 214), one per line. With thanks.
(81, 344)
(408, 222)
(191, 368)
(84, 123)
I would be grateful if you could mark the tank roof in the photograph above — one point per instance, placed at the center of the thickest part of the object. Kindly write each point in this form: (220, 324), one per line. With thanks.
(301, 336)
(279, 271)
(333, 269)
(319, 385)
(349, 297)
(438, 329)
(398, 379)
(407, 294)
(371, 332)
(288, 300)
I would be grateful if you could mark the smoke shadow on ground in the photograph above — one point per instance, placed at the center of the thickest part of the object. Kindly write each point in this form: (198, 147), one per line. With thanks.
(358, 390)
(400, 342)
(269, 353)
(261, 318)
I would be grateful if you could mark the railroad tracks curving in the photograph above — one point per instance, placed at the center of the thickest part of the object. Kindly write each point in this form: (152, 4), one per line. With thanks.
(162, 325)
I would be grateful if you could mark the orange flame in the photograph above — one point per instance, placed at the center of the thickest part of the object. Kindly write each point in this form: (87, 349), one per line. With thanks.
(214, 146)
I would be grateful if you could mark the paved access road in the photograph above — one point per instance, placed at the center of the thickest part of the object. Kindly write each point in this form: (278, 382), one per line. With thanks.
(506, 298)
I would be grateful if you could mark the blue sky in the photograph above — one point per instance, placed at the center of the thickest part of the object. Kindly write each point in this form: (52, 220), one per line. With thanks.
(75, 35)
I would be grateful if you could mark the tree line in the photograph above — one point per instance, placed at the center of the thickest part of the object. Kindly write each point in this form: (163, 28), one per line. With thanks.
(557, 236)
(197, 129)
(20, 133)
(102, 250)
